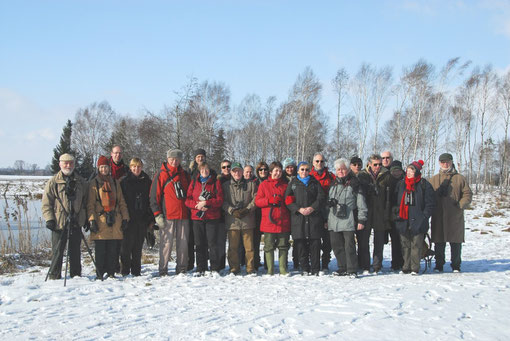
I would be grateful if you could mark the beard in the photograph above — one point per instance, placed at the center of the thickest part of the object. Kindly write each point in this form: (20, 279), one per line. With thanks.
(67, 172)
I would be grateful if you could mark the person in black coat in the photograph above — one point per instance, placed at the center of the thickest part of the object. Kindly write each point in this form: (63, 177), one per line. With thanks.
(415, 203)
(305, 199)
(135, 188)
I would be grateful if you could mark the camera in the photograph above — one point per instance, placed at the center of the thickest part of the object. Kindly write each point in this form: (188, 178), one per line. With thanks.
(409, 199)
(340, 211)
(332, 202)
(110, 218)
(70, 188)
(180, 193)
(200, 214)
(138, 202)
(442, 191)
(205, 195)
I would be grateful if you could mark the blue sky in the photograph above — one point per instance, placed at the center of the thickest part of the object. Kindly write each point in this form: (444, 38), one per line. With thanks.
(58, 56)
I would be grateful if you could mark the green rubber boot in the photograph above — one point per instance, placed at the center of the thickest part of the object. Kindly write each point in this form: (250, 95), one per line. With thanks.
(270, 262)
(282, 259)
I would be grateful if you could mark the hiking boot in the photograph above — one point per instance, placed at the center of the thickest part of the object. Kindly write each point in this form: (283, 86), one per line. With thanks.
(438, 268)
(282, 260)
(414, 273)
(352, 275)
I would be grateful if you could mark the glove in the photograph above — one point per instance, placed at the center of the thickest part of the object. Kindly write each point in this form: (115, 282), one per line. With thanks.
(275, 201)
(86, 227)
(243, 212)
(290, 200)
(51, 225)
(93, 226)
(237, 213)
(124, 225)
(160, 221)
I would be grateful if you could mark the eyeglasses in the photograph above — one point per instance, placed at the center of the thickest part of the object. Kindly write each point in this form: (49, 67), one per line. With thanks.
(319, 161)
(304, 169)
(263, 170)
(376, 164)
(386, 157)
(225, 167)
(357, 164)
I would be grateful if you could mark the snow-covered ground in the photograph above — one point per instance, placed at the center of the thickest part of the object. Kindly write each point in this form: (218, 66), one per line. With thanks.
(11, 185)
(470, 305)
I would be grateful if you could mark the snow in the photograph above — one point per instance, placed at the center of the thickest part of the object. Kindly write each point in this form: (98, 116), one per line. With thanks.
(473, 304)
(11, 185)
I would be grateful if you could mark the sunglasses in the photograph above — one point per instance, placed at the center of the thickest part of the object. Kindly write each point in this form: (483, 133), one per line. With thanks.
(225, 167)
(304, 169)
(319, 161)
(357, 164)
(377, 164)
(263, 170)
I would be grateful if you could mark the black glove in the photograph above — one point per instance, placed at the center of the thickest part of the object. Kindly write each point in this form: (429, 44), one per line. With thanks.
(243, 212)
(237, 213)
(93, 226)
(124, 225)
(51, 225)
(86, 227)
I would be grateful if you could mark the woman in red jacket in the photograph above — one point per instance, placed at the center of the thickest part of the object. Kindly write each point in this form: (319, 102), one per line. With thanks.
(205, 197)
(275, 221)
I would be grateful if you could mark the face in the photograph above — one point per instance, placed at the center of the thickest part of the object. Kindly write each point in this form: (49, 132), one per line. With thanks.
(136, 169)
(376, 165)
(116, 154)
(410, 172)
(104, 170)
(445, 164)
(263, 172)
(342, 171)
(248, 172)
(386, 159)
(356, 167)
(289, 170)
(225, 168)
(303, 171)
(204, 172)
(173, 161)
(276, 173)
(199, 159)
(397, 173)
(66, 167)
(318, 162)
(237, 174)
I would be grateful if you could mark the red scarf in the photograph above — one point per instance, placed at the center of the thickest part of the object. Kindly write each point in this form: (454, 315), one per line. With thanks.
(410, 187)
(118, 170)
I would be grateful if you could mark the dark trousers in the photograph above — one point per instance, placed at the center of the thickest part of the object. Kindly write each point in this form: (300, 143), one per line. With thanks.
(455, 251)
(412, 248)
(117, 258)
(191, 249)
(396, 249)
(309, 251)
(57, 251)
(295, 256)
(131, 248)
(344, 248)
(377, 257)
(257, 235)
(106, 252)
(326, 249)
(206, 242)
(363, 238)
(222, 244)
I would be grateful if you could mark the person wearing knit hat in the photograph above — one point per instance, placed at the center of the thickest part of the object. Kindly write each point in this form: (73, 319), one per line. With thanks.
(289, 168)
(397, 174)
(356, 165)
(415, 205)
(102, 161)
(447, 224)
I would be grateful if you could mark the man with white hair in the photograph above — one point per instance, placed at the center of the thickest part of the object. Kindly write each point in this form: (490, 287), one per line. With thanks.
(387, 159)
(63, 209)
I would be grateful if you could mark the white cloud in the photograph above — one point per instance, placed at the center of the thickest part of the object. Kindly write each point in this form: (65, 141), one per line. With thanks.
(45, 134)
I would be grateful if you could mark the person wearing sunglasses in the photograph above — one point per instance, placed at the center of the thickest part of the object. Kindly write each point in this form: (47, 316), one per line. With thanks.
(356, 165)
(290, 171)
(376, 180)
(224, 176)
(305, 199)
(326, 178)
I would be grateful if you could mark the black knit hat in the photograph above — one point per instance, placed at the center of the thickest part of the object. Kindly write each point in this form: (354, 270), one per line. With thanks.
(396, 164)
(356, 159)
(199, 151)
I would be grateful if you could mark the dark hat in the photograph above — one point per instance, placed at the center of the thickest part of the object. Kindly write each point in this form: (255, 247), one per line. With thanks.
(236, 165)
(418, 165)
(396, 165)
(102, 161)
(356, 159)
(446, 157)
(199, 151)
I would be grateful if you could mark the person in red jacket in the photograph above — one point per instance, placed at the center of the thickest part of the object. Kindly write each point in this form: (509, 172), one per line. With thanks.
(275, 217)
(168, 196)
(205, 198)
(326, 179)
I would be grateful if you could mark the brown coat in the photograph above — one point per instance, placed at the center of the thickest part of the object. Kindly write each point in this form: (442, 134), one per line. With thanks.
(448, 217)
(52, 207)
(95, 209)
(377, 198)
(239, 194)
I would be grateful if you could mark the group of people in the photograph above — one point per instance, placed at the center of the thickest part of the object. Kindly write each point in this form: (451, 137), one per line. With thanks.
(321, 211)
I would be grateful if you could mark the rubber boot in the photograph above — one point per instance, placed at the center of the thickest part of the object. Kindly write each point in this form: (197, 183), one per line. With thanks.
(282, 260)
(270, 262)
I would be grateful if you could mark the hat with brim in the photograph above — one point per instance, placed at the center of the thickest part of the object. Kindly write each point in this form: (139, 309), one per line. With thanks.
(445, 157)
(236, 165)
(66, 157)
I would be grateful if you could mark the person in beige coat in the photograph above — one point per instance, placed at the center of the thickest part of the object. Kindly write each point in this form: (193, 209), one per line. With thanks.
(239, 207)
(63, 206)
(108, 216)
(453, 195)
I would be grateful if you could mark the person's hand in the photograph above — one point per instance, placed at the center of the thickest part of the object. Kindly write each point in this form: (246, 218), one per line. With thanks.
(160, 221)
(124, 225)
(237, 213)
(200, 205)
(275, 200)
(360, 226)
(93, 226)
(51, 225)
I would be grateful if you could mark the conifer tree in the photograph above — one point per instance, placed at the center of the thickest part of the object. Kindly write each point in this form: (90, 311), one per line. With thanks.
(63, 147)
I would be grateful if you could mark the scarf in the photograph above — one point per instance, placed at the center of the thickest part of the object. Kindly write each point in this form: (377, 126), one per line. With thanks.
(106, 194)
(410, 187)
(304, 180)
(117, 170)
(204, 180)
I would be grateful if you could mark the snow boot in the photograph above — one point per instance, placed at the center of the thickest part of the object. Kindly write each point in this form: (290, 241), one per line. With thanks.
(270, 262)
(282, 260)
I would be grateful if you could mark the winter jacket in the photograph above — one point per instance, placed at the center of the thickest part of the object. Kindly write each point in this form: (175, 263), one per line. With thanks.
(118, 171)
(378, 198)
(237, 195)
(326, 179)
(448, 217)
(163, 197)
(95, 210)
(274, 219)
(347, 192)
(136, 191)
(213, 204)
(420, 212)
(299, 196)
(58, 210)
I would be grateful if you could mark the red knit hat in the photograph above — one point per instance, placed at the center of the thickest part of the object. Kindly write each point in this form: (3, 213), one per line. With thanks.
(418, 165)
(102, 161)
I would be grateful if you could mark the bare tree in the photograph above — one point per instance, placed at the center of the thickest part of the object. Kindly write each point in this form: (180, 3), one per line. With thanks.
(340, 83)
(504, 96)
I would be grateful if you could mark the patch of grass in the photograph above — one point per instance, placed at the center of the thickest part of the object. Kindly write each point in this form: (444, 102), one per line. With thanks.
(476, 217)
(148, 258)
(489, 223)
(475, 230)
(487, 214)
(12, 263)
